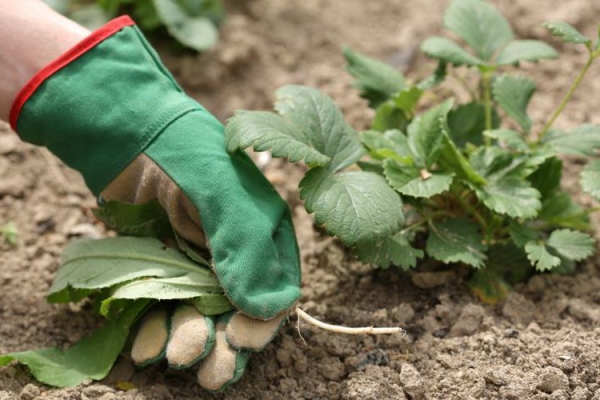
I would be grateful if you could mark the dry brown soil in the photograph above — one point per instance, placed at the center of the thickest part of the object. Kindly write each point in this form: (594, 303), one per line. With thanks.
(541, 343)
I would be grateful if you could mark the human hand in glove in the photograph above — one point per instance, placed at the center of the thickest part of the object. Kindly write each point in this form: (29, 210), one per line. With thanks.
(110, 109)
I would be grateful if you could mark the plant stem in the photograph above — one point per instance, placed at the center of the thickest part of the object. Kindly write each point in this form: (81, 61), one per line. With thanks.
(467, 206)
(487, 101)
(567, 98)
(343, 329)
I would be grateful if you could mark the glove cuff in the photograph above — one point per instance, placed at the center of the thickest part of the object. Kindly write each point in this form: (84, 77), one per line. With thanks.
(101, 103)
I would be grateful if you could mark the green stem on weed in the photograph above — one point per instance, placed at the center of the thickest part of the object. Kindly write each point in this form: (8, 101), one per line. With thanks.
(592, 56)
(487, 100)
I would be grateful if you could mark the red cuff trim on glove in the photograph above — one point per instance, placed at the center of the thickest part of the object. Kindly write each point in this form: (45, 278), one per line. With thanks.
(75, 52)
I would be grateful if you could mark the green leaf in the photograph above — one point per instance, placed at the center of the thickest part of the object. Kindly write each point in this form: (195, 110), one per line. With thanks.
(193, 285)
(582, 141)
(389, 144)
(267, 131)
(525, 50)
(510, 196)
(411, 181)
(149, 219)
(376, 81)
(456, 240)
(425, 134)
(590, 179)
(567, 33)
(407, 99)
(388, 116)
(572, 245)
(90, 358)
(560, 210)
(540, 257)
(489, 161)
(355, 206)
(489, 285)
(9, 233)
(467, 123)
(512, 93)
(211, 304)
(509, 137)
(90, 264)
(546, 179)
(521, 234)
(198, 33)
(449, 52)
(510, 261)
(479, 24)
(322, 123)
(394, 250)
(452, 160)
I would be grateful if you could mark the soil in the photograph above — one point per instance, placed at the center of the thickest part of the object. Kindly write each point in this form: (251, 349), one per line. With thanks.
(540, 343)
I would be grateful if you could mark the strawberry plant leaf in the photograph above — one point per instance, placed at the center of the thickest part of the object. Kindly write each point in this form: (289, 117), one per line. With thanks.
(267, 131)
(388, 116)
(479, 24)
(572, 245)
(546, 179)
(509, 137)
(90, 358)
(512, 93)
(355, 206)
(521, 234)
(196, 32)
(411, 181)
(322, 123)
(92, 264)
(583, 141)
(525, 50)
(449, 52)
(466, 123)
(567, 33)
(540, 257)
(451, 159)
(395, 250)
(510, 196)
(510, 261)
(375, 80)
(388, 144)
(560, 210)
(590, 179)
(425, 134)
(456, 240)
(489, 285)
(193, 285)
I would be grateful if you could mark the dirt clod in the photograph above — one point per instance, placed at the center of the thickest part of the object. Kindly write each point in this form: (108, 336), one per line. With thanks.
(412, 382)
(552, 380)
(469, 321)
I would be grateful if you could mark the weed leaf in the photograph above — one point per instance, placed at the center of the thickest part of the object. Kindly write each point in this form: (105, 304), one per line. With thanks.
(449, 52)
(149, 219)
(395, 250)
(456, 240)
(572, 245)
(375, 80)
(411, 181)
(567, 33)
(540, 257)
(93, 264)
(90, 358)
(479, 24)
(356, 206)
(321, 122)
(512, 93)
(525, 50)
(590, 179)
(582, 141)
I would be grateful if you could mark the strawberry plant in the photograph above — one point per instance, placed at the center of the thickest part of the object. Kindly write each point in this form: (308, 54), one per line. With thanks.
(474, 183)
(193, 23)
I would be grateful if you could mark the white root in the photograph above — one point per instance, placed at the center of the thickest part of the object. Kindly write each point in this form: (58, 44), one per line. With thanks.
(369, 330)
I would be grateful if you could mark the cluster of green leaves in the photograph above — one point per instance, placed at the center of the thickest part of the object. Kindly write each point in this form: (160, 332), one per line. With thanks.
(125, 276)
(193, 23)
(460, 183)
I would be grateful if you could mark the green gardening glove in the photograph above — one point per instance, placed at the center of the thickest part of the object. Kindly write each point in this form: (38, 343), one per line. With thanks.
(111, 110)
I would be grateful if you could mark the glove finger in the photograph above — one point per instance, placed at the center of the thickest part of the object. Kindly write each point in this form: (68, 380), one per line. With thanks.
(245, 333)
(151, 339)
(192, 337)
(224, 365)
